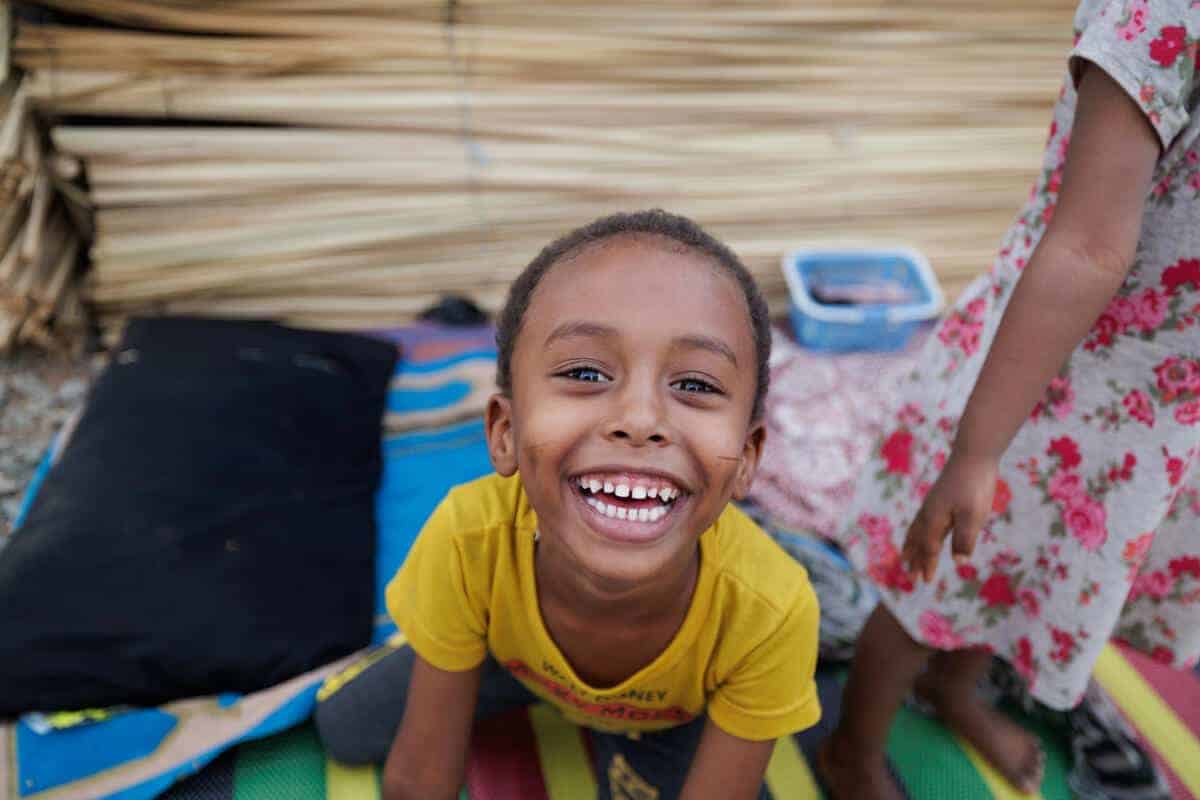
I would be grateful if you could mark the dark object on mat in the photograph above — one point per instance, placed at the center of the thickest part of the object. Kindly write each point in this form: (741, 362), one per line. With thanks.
(847, 598)
(210, 525)
(458, 312)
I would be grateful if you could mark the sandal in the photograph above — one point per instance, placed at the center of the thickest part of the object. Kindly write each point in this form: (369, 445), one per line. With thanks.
(1109, 762)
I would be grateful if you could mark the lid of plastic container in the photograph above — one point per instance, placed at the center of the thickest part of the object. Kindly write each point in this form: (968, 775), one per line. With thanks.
(894, 313)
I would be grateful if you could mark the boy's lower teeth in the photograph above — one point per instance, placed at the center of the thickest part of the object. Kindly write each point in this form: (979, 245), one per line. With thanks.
(642, 513)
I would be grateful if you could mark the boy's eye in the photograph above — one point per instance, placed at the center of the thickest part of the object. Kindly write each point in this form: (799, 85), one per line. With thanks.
(695, 385)
(585, 374)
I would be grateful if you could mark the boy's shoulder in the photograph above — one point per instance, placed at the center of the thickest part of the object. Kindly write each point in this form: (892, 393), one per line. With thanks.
(750, 563)
(486, 503)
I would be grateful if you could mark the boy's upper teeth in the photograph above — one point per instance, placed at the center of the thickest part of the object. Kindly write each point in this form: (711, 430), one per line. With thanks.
(638, 489)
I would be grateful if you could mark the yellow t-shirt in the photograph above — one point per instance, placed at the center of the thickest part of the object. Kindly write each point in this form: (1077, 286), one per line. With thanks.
(746, 651)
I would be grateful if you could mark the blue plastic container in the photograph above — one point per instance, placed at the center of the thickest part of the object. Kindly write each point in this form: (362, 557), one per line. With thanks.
(845, 325)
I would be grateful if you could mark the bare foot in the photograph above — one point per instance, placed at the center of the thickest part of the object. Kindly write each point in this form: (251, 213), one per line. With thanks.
(850, 775)
(1013, 751)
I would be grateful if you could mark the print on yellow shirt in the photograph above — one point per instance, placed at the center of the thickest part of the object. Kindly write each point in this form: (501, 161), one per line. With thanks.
(563, 691)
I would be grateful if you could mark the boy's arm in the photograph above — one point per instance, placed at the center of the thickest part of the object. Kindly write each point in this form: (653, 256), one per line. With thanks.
(726, 767)
(428, 759)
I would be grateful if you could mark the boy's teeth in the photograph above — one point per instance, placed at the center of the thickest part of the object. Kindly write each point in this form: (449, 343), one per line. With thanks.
(624, 490)
(632, 514)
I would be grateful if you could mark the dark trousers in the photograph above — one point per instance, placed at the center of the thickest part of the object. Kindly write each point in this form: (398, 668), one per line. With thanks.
(358, 722)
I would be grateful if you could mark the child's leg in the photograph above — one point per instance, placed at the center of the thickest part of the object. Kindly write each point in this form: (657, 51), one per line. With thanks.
(652, 766)
(852, 761)
(951, 685)
(358, 719)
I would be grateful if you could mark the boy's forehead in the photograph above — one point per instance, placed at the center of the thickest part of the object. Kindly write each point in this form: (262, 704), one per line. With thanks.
(641, 284)
(646, 261)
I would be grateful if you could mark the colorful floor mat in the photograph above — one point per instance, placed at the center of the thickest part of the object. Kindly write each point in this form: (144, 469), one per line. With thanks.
(536, 755)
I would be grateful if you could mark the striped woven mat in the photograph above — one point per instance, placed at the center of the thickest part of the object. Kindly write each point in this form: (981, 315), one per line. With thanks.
(535, 754)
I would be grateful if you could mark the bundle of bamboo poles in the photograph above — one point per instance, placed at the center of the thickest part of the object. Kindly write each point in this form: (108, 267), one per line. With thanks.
(343, 163)
(44, 225)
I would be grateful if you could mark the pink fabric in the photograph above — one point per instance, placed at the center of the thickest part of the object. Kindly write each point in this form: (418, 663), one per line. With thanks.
(824, 414)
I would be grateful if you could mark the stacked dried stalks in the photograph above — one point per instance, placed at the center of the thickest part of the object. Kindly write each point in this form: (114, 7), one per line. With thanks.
(44, 225)
(343, 163)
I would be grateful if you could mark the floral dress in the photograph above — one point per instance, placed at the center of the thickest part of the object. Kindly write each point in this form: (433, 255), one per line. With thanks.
(1095, 530)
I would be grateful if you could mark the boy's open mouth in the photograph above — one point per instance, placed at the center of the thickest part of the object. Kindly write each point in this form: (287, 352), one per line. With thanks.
(624, 496)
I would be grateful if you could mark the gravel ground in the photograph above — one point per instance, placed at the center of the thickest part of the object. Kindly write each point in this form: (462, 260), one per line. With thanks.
(37, 394)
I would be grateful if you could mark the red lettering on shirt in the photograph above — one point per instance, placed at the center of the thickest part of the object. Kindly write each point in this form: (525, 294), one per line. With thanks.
(610, 710)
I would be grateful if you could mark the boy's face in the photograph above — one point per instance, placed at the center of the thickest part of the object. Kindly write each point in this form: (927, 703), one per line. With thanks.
(633, 380)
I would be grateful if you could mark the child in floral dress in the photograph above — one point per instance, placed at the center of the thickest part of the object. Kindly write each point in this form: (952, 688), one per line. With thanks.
(1051, 426)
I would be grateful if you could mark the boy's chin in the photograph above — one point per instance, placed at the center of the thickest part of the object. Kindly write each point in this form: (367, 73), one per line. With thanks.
(633, 569)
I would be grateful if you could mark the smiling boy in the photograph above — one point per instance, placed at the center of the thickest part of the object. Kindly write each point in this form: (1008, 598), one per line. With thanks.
(602, 568)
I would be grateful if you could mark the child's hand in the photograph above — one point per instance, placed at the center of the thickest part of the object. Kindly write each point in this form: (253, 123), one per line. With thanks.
(960, 500)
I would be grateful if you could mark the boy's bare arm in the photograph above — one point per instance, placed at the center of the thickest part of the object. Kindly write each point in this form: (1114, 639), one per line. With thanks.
(726, 767)
(428, 759)
(1074, 272)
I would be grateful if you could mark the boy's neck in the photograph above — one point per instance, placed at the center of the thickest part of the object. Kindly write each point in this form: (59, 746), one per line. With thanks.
(563, 586)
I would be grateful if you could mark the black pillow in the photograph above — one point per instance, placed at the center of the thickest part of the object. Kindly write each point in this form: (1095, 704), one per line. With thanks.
(210, 526)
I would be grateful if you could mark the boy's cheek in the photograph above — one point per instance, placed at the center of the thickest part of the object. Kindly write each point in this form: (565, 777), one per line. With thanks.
(732, 473)
(551, 425)
(728, 451)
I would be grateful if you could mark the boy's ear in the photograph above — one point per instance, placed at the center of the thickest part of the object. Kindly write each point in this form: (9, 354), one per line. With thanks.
(748, 466)
(497, 422)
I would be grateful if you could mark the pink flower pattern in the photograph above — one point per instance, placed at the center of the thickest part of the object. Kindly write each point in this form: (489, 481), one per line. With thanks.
(938, 631)
(1095, 537)
(1059, 401)
(1086, 519)
(1137, 404)
(1134, 23)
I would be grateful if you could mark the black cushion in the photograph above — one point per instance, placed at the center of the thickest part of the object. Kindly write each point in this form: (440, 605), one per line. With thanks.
(210, 525)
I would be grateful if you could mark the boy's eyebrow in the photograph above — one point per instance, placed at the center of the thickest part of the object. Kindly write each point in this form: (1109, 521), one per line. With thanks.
(696, 341)
(709, 343)
(569, 330)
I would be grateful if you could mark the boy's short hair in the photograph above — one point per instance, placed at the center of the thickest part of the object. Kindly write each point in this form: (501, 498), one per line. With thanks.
(655, 222)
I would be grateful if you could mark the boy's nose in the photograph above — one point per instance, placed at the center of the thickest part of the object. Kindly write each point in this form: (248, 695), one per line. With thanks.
(639, 419)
